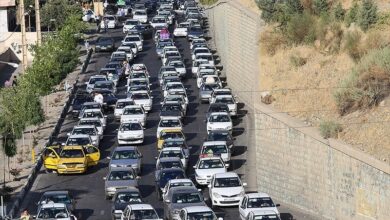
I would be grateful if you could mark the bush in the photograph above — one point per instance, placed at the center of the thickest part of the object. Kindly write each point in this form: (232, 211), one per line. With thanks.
(297, 60)
(270, 42)
(368, 14)
(352, 14)
(330, 129)
(268, 9)
(352, 45)
(301, 29)
(367, 84)
(208, 2)
(320, 7)
(338, 12)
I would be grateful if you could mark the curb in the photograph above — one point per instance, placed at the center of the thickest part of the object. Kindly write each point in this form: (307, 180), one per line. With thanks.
(31, 177)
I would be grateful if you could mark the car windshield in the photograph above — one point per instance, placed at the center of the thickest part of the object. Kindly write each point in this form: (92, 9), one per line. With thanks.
(125, 155)
(128, 197)
(169, 123)
(131, 22)
(60, 198)
(204, 57)
(130, 127)
(171, 108)
(224, 100)
(219, 118)
(132, 111)
(94, 80)
(177, 64)
(175, 98)
(135, 75)
(265, 217)
(53, 213)
(218, 136)
(171, 135)
(183, 25)
(120, 105)
(186, 198)
(140, 13)
(93, 115)
(104, 41)
(138, 82)
(214, 149)
(174, 144)
(196, 29)
(171, 153)
(97, 123)
(158, 20)
(201, 50)
(143, 214)
(170, 164)
(211, 164)
(136, 96)
(201, 216)
(130, 39)
(227, 182)
(172, 185)
(78, 141)
(169, 175)
(210, 87)
(260, 202)
(167, 68)
(219, 108)
(117, 175)
(75, 153)
(89, 131)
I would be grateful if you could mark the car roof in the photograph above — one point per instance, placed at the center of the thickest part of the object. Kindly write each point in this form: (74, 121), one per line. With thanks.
(120, 169)
(191, 209)
(219, 113)
(123, 148)
(223, 96)
(181, 189)
(55, 192)
(129, 189)
(169, 159)
(140, 206)
(124, 100)
(171, 149)
(90, 119)
(211, 143)
(180, 181)
(51, 205)
(263, 212)
(170, 118)
(79, 136)
(258, 195)
(83, 126)
(226, 175)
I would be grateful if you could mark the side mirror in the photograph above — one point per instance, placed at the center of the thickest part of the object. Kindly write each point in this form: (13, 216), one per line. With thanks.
(62, 144)
(86, 83)
(227, 165)
(209, 186)
(167, 201)
(277, 205)
(140, 156)
(68, 134)
(109, 158)
(194, 167)
(104, 178)
(244, 184)
(199, 190)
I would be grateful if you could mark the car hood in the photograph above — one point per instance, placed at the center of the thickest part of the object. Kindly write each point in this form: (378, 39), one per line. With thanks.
(142, 102)
(130, 133)
(209, 172)
(171, 113)
(124, 162)
(183, 205)
(273, 209)
(230, 191)
(219, 124)
(121, 183)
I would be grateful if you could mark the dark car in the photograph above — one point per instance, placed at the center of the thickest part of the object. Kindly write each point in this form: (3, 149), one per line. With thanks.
(171, 109)
(104, 44)
(221, 136)
(168, 174)
(217, 107)
(109, 99)
(64, 197)
(195, 32)
(122, 198)
(145, 29)
(80, 98)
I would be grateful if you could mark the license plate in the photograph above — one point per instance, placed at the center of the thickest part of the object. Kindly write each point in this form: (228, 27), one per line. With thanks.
(229, 200)
(104, 48)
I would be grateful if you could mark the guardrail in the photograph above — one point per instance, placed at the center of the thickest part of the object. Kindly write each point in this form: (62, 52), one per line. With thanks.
(31, 177)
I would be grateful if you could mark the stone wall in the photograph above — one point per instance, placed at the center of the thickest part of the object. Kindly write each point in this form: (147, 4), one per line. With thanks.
(294, 164)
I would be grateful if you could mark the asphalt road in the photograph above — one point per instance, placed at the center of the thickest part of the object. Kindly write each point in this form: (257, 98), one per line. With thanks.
(88, 189)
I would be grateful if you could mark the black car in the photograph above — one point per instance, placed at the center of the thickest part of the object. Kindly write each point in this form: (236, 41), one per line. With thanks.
(122, 198)
(194, 32)
(104, 44)
(145, 29)
(221, 136)
(80, 98)
(165, 175)
(109, 99)
(217, 107)
(171, 110)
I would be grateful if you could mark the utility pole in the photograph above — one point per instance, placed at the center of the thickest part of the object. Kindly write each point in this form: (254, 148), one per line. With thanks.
(24, 42)
(38, 22)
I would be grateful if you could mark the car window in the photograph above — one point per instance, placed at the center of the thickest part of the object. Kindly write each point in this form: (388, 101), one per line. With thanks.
(183, 198)
(121, 175)
(88, 131)
(75, 153)
(128, 197)
(130, 127)
(210, 164)
(133, 111)
(219, 118)
(53, 213)
(227, 182)
(125, 155)
(260, 202)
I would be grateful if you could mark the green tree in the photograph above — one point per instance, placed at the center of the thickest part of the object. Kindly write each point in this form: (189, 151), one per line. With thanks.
(58, 10)
(294, 7)
(338, 12)
(320, 6)
(368, 14)
(352, 14)
(268, 9)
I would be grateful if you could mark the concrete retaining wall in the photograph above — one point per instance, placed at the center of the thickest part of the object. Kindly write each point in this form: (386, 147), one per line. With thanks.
(294, 164)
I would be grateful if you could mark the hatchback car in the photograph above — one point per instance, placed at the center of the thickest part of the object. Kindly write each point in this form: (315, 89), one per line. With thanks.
(226, 189)
(219, 121)
(130, 133)
(119, 178)
(122, 199)
(126, 156)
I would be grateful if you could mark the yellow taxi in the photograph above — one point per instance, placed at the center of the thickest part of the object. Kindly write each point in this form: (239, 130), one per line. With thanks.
(169, 134)
(70, 159)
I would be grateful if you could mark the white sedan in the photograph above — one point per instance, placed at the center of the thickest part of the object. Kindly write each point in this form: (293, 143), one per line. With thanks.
(257, 202)
(169, 123)
(174, 152)
(130, 133)
(217, 148)
(143, 99)
(206, 167)
(181, 29)
(229, 101)
(219, 121)
(134, 113)
(226, 189)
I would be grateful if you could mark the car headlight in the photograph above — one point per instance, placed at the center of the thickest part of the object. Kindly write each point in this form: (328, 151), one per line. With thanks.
(216, 195)
(61, 166)
(80, 165)
(134, 166)
(242, 193)
(209, 127)
(118, 211)
(111, 189)
(139, 136)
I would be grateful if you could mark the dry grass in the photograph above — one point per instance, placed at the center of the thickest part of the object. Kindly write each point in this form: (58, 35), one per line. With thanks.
(271, 41)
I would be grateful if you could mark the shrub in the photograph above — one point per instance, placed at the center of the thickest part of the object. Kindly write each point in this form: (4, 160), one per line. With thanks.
(352, 45)
(301, 29)
(352, 14)
(367, 84)
(208, 2)
(294, 7)
(338, 12)
(320, 6)
(330, 129)
(297, 60)
(268, 9)
(368, 14)
(270, 42)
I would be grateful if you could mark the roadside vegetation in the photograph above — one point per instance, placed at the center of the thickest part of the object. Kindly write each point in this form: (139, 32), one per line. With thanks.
(57, 56)
(208, 2)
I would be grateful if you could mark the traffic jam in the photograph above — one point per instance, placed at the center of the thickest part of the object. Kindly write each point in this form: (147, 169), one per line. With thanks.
(126, 92)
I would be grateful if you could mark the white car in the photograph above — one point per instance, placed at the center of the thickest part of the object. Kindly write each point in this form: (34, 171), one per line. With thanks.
(167, 14)
(142, 211)
(219, 121)
(204, 75)
(130, 133)
(226, 189)
(133, 46)
(92, 80)
(229, 101)
(120, 105)
(112, 22)
(216, 92)
(206, 167)
(54, 211)
(258, 214)
(95, 122)
(134, 113)
(181, 29)
(197, 41)
(180, 91)
(197, 212)
(217, 148)
(175, 183)
(90, 16)
(196, 64)
(169, 123)
(78, 140)
(140, 15)
(90, 130)
(179, 66)
(199, 50)
(169, 54)
(257, 202)
(159, 21)
(205, 56)
(95, 113)
(172, 85)
(169, 48)
(134, 39)
(177, 98)
(128, 51)
(130, 24)
(143, 99)
(174, 152)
